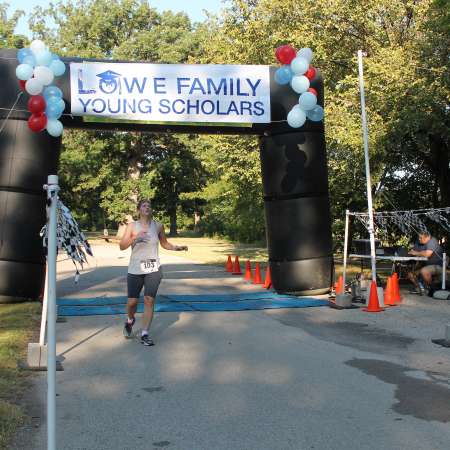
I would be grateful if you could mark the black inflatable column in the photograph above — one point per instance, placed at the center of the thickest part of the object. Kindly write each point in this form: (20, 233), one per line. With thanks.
(26, 159)
(295, 183)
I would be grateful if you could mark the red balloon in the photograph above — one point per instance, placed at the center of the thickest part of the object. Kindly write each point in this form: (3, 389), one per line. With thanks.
(37, 122)
(310, 73)
(36, 104)
(313, 91)
(22, 84)
(285, 54)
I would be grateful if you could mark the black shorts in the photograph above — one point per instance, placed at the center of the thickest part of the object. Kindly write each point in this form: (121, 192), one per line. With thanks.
(150, 281)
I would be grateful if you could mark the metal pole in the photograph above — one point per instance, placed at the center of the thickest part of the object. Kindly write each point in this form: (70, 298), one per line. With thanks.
(444, 268)
(366, 158)
(52, 195)
(345, 247)
(44, 310)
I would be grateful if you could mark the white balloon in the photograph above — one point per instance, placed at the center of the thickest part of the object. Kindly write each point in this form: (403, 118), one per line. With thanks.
(299, 65)
(37, 46)
(300, 84)
(307, 101)
(306, 53)
(44, 74)
(34, 86)
(296, 117)
(24, 71)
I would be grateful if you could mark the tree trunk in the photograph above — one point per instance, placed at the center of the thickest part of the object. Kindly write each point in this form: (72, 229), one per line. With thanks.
(173, 222)
(197, 219)
(441, 157)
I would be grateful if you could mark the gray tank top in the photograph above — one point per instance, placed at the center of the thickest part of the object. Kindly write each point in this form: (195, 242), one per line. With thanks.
(145, 251)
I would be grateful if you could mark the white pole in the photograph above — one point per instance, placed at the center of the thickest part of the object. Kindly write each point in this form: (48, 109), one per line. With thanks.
(366, 157)
(52, 195)
(444, 268)
(345, 247)
(44, 310)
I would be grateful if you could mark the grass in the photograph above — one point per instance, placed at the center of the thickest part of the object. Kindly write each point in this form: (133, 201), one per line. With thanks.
(215, 251)
(18, 325)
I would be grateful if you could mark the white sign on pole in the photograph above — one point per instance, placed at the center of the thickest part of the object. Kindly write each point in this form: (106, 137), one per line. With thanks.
(171, 92)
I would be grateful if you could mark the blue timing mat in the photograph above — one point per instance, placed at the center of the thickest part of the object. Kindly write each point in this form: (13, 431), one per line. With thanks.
(178, 303)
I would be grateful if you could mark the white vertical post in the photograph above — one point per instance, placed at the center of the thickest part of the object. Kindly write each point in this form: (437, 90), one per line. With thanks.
(444, 268)
(345, 247)
(366, 158)
(52, 195)
(44, 310)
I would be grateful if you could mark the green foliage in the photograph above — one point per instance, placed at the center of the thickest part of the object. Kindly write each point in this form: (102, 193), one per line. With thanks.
(7, 37)
(217, 178)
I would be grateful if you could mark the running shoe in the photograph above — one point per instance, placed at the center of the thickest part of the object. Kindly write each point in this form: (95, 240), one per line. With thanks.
(145, 339)
(128, 328)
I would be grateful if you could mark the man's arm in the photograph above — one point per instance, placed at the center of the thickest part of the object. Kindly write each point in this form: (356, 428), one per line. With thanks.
(127, 238)
(426, 253)
(166, 244)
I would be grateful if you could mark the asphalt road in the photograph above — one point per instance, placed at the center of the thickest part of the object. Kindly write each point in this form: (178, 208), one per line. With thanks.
(313, 378)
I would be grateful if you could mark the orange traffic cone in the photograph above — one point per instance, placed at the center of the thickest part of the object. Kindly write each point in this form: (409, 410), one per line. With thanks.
(374, 305)
(257, 278)
(268, 280)
(229, 265)
(389, 294)
(237, 267)
(396, 288)
(340, 285)
(248, 271)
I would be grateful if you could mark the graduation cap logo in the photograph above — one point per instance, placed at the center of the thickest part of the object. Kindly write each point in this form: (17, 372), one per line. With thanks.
(109, 81)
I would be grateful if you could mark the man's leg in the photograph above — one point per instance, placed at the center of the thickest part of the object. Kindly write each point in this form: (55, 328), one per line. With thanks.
(132, 308)
(134, 286)
(147, 317)
(413, 278)
(427, 275)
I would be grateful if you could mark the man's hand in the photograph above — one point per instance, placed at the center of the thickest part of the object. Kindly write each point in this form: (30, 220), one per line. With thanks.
(180, 248)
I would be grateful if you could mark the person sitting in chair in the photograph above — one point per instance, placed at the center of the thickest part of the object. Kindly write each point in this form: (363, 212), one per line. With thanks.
(429, 248)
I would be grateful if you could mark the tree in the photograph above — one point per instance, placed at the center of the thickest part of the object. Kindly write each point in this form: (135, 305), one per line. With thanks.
(8, 38)
(121, 163)
(406, 85)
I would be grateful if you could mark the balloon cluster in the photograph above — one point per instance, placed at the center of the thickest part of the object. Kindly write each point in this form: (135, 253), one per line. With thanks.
(36, 71)
(298, 72)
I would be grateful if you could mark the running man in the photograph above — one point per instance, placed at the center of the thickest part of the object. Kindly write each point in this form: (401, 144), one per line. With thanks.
(144, 270)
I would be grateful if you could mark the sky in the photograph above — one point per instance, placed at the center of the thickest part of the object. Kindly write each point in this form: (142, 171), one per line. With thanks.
(194, 9)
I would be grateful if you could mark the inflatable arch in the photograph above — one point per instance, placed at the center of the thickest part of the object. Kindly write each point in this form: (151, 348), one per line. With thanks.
(294, 174)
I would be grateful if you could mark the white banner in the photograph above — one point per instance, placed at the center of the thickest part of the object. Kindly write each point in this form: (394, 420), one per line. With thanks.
(171, 92)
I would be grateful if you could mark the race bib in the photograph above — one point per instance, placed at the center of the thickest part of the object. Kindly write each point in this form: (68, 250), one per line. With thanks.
(149, 265)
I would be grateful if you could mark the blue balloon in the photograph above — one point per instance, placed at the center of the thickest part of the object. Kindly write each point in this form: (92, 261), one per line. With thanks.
(307, 101)
(52, 91)
(61, 105)
(316, 114)
(43, 58)
(30, 60)
(300, 83)
(24, 72)
(57, 67)
(299, 65)
(283, 75)
(55, 57)
(296, 117)
(22, 53)
(54, 127)
(53, 111)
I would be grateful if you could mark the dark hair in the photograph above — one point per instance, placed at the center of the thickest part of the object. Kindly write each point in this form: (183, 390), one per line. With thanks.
(143, 200)
(424, 233)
